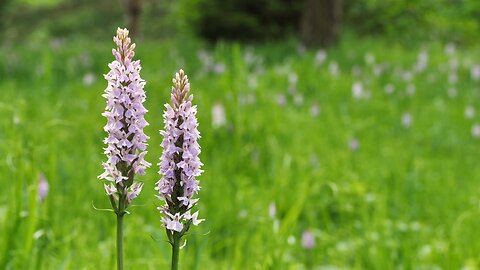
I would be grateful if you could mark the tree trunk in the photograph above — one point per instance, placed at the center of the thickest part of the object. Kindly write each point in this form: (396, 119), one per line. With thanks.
(320, 22)
(133, 8)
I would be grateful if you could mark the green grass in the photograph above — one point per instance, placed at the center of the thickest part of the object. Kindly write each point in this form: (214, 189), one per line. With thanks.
(408, 198)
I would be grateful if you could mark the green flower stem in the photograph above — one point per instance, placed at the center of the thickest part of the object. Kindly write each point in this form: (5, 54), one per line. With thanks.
(120, 214)
(175, 250)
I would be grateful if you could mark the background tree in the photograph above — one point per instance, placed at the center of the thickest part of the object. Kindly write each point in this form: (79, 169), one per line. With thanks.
(320, 22)
(4, 4)
(133, 9)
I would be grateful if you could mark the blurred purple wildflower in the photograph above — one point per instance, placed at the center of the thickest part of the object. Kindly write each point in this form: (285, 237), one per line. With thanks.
(354, 144)
(43, 187)
(308, 240)
(218, 115)
(180, 163)
(126, 141)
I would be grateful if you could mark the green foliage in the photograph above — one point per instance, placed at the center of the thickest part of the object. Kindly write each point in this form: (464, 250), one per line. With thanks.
(406, 21)
(411, 20)
(407, 198)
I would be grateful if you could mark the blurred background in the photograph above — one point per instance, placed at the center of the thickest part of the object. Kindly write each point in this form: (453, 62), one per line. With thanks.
(335, 134)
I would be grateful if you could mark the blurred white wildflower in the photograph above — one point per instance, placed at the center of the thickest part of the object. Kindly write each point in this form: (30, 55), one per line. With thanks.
(56, 43)
(407, 76)
(219, 68)
(88, 79)
(453, 64)
(252, 82)
(291, 240)
(402, 226)
(247, 99)
(218, 115)
(272, 210)
(452, 77)
(301, 49)
(343, 246)
(476, 130)
(298, 99)
(334, 69)
(209, 64)
(320, 57)
(422, 61)
(357, 90)
(281, 100)
(292, 78)
(425, 251)
(410, 91)
(314, 162)
(415, 226)
(205, 58)
(282, 70)
(255, 156)
(315, 110)
(452, 92)
(292, 82)
(407, 119)
(469, 112)
(378, 70)
(475, 72)
(38, 234)
(370, 197)
(86, 60)
(449, 48)
(249, 56)
(243, 213)
(16, 119)
(369, 58)
(389, 89)
(287, 160)
(356, 71)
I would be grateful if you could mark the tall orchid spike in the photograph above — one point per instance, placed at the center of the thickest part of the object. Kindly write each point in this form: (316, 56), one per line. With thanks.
(180, 163)
(126, 142)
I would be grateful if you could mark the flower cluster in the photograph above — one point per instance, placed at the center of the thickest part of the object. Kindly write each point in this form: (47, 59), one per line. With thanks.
(180, 163)
(126, 141)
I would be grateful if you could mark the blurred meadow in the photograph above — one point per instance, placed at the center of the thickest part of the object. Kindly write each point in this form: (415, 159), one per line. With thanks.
(357, 152)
